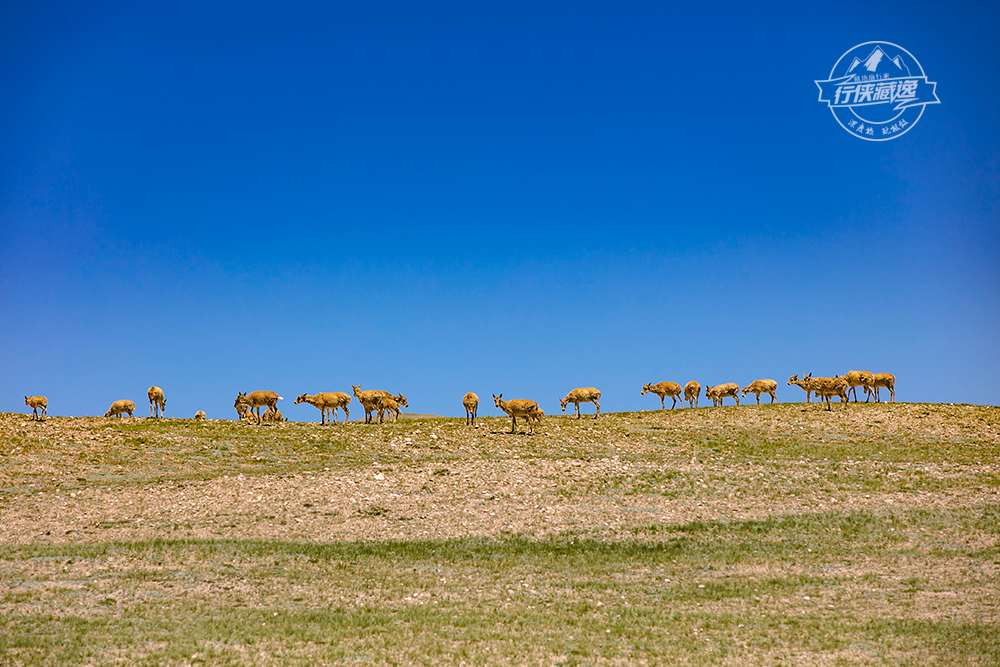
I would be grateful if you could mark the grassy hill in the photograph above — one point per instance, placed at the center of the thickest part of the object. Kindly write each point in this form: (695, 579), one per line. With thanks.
(779, 534)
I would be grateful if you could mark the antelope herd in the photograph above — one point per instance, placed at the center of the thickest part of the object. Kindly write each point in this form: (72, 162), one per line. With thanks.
(381, 402)
(840, 386)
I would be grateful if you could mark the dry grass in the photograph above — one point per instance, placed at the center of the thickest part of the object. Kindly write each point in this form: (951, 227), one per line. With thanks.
(752, 535)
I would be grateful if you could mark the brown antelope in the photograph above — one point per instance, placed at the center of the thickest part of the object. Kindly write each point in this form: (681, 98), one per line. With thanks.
(519, 407)
(327, 401)
(256, 399)
(827, 388)
(390, 404)
(691, 391)
(38, 403)
(759, 387)
(369, 400)
(864, 379)
(536, 415)
(720, 391)
(471, 403)
(118, 407)
(582, 395)
(805, 383)
(156, 400)
(272, 414)
(664, 389)
(887, 380)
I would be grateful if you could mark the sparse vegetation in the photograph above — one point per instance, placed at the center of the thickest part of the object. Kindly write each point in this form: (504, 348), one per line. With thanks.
(772, 534)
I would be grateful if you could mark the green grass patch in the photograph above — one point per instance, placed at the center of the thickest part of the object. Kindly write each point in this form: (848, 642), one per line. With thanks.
(699, 592)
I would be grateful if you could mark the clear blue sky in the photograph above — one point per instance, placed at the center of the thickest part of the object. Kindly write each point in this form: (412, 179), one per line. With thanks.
(513, 197)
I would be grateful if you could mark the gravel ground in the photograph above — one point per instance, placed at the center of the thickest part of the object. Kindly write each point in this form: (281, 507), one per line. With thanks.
(439, 478)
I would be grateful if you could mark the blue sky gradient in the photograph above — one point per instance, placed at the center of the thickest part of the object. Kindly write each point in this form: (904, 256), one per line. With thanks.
(436, 198)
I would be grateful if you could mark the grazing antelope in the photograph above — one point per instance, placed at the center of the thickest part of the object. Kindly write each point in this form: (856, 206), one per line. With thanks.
(256, 399)
(664, 389)
(864, 379)
(887, 380)
(582, 395)
(519, 407)
(759, 387)
(471, 403)
(691, 391)
(118, 407)
(327, 401)
(720, 391)
(157, 400)
(37, 403)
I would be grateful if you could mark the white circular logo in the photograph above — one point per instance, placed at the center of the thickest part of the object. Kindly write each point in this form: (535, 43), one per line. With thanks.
(877, 91)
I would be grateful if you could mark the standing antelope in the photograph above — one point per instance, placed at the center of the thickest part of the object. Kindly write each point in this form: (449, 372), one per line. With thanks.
(519, 407)
(582, 395)
(827, 388)
(864, 379)
(887, 380)
(36, 403)
(664, 389)
(805, 383)
(691, 391)
(327, 401)
(369, 400)
(471, 403)
(256, 399)
(156, 400)
(720, 391)
(759, 387)
(536, 415)
(390, 404)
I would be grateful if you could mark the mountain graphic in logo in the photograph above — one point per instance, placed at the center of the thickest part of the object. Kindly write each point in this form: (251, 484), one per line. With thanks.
(877, 91)
(879, 63)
